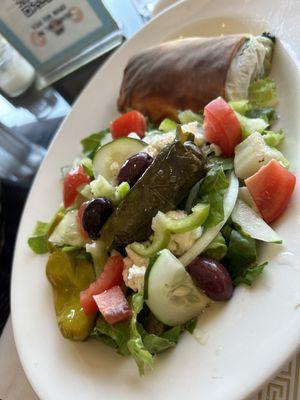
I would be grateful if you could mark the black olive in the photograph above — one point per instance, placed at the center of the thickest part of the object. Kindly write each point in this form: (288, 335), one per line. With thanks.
(212, 277)
(95, 215)
(134, 167)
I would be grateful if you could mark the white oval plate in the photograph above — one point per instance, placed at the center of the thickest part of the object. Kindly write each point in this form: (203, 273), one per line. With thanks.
(249, 337)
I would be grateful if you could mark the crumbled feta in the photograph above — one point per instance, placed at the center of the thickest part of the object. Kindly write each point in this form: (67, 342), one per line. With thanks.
(136, 259)
(216, 149)
(134, 135)
(134, 278)
(182, 242)
(134, 270)
(195, 129)
(157, 142)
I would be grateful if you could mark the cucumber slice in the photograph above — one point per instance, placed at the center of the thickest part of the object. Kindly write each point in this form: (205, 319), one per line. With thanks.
(117, 151)
(252, 224)
(170, 292)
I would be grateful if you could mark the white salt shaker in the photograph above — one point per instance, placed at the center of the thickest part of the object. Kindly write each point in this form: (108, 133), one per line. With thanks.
(16, 74)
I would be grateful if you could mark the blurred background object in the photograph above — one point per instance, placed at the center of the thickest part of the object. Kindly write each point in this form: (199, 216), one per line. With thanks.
(58, 37)
(16, 74)
(145, 8)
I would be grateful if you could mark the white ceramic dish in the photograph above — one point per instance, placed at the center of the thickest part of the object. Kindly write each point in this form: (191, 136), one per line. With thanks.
(248, 338)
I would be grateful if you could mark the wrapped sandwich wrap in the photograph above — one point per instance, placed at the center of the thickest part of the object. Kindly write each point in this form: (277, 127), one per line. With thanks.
(189, 73)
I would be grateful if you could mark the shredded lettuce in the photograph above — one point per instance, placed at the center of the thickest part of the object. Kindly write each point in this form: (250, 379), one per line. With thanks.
(262, 93)
(240, 106)
(142, 337)
(225, 162)
(217, 249)
(136, 347)
(87, 166)
(250, 274)
(211, 190)
(91, 143)
(251, 125)
(38, 242)
(116, 335)
(188, 116)
(167, 125)
(273, 139)
(157, 344)
(268, 114)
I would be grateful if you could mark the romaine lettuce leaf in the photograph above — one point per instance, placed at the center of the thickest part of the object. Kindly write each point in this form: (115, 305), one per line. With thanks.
(268, 114)
(38, 242)
(262, 93)
(225, 162)
(91, 143)
(217, 249)
(167, 125)
(131, 337)
(136, 347)
(251, 125)
(241, 251)
(116, 335)
(273, 139)
(240, 106)
(87, 166)
(156, 344)
(187, 116)
(211, 191)
(250, 274)
(241, 257)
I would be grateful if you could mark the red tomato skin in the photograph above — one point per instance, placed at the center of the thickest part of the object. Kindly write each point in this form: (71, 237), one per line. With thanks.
(113, 305)
(79, 220)
(226, 126)
(271, 189)
(111, 276)
(133, 121)
(72, 181)
(214, 133)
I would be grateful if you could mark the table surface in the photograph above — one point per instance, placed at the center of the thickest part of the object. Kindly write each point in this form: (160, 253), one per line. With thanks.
(36, 116)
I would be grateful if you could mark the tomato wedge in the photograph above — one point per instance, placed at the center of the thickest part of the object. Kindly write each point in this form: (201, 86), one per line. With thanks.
(111, 276)
(133, 121)
(271, 188)
(113, 305)
(214, 131)
(72, 181)
(221, 126)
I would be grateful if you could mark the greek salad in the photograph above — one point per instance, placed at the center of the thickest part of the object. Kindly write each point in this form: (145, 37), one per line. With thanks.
(157, 223)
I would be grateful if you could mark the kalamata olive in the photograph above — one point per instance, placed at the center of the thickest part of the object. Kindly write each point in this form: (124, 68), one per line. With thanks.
(212, 277)
(95, 215)
(134, 167)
